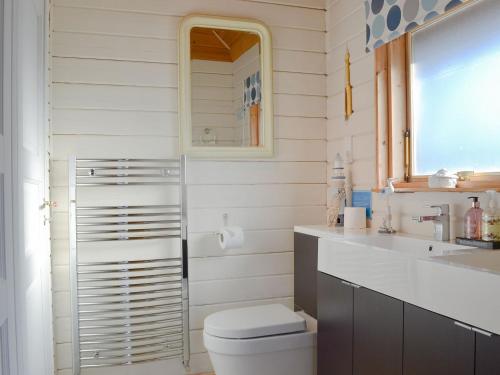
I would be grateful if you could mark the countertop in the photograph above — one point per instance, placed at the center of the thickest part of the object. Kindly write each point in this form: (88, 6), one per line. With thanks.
(464, 286)
(478, 259)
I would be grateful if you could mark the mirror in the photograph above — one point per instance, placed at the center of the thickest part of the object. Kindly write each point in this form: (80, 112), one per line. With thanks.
(225, 88)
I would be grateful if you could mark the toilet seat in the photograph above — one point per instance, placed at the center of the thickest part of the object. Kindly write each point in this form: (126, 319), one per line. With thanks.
(252, 322)
(259, 345)
(255, 330)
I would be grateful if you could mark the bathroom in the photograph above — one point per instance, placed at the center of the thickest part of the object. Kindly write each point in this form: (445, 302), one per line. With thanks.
(96, 84)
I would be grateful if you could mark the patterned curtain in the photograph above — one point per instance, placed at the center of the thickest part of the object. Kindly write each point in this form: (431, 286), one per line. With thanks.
(388, 19)
(251, 90)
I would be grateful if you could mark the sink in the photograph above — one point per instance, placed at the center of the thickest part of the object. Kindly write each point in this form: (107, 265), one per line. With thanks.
(452, 280)
(409, 246)
(483, 260)
(382, 260)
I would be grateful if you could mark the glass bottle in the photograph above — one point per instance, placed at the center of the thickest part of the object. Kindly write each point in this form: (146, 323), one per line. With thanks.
(491, 220)
(472, 220)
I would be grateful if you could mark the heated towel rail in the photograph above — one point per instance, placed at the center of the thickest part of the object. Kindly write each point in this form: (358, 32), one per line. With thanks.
(128, 262)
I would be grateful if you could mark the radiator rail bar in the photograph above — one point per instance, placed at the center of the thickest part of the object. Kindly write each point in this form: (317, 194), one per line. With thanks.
(135, 309)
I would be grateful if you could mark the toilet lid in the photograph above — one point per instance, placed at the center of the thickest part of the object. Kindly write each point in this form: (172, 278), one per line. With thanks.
(254, 321)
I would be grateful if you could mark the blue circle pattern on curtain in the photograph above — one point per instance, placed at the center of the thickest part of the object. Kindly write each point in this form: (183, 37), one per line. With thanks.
(388, 19)
(377, 6)
(252, 90)
(393, 18)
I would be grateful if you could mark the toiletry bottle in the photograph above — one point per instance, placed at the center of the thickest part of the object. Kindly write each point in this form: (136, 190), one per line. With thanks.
(491, 219)
(472, 220)
(338, 185)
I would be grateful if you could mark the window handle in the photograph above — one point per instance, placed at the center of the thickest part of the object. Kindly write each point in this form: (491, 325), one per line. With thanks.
(407, 154)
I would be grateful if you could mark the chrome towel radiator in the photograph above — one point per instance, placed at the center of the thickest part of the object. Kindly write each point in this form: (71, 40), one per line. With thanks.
(128, 261)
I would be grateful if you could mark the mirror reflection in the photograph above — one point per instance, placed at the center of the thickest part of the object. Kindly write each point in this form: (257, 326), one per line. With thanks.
(225, 88)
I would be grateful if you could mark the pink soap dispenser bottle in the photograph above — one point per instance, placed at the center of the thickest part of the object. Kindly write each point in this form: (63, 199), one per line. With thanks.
(473, 216)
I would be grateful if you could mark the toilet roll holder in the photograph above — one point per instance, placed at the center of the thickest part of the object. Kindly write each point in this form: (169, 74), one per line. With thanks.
(225, 220)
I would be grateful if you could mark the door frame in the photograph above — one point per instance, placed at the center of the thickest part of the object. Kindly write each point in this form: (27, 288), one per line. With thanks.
(17, 187)
(9, 358)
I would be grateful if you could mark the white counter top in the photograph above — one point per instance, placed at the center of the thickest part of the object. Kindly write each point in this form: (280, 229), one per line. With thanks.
(455, 281)
(324, 231)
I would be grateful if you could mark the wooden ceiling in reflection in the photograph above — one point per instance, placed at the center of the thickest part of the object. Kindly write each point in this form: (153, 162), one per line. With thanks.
(220, 45)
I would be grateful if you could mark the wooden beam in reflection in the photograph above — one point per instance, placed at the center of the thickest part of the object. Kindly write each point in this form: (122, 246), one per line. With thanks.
(254, 125)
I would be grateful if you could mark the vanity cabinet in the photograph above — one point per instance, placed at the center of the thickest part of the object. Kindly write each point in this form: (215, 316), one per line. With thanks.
(487, 354)
(335, 326)
(363, 332)
(359, 331)
(306, 268)
(378, 333)
(436, 345)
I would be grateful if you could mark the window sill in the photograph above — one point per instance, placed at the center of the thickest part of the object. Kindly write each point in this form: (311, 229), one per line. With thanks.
(462, 187)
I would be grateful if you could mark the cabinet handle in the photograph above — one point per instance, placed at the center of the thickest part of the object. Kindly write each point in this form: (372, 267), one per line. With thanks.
(350, 284)
(480, 331)
(465, 326)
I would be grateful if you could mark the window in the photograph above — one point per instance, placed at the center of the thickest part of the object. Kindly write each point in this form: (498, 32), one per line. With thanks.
(438, 99)
(455, 92)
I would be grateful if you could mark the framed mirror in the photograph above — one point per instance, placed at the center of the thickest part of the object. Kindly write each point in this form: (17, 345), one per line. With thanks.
(225, 88)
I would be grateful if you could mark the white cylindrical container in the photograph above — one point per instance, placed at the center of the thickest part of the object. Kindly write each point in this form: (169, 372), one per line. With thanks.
(354, 218)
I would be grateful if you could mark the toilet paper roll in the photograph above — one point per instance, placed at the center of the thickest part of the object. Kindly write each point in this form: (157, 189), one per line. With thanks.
(231, 237)
(354, 218)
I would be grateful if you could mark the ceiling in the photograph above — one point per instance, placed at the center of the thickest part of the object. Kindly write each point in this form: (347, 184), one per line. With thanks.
(220, 45)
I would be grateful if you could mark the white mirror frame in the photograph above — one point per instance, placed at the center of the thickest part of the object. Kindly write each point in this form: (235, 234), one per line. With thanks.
(186, 143)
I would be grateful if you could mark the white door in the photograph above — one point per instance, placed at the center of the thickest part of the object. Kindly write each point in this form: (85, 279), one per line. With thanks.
(8, 359)
(31, 238)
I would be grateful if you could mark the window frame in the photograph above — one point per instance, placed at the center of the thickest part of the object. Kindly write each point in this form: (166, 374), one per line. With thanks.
(394, 121)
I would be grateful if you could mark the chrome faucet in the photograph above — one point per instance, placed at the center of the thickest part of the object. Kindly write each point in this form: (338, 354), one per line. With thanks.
(441, 222)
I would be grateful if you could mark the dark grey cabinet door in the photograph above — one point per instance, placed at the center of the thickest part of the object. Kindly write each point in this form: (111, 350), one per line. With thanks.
(378, 334)
(435, 345)
(306, 269)
(335, 326)
(487, 354)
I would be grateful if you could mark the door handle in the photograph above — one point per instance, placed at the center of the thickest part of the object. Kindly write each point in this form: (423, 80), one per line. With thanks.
(47, 203)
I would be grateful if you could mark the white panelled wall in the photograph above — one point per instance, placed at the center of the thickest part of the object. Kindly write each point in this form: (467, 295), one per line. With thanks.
(114, 94)
(212, 101)
(345, 23)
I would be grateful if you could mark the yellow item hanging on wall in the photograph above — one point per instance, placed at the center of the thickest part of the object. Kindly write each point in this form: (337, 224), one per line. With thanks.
(348, 87)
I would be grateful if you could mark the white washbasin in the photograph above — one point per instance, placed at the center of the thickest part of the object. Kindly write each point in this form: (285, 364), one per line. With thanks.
(456, 281)
(409, 246)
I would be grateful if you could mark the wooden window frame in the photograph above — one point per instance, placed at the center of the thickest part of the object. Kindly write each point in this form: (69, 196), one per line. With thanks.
(394, 124)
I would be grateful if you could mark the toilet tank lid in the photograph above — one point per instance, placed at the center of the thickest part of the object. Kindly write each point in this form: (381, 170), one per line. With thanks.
(251, 322)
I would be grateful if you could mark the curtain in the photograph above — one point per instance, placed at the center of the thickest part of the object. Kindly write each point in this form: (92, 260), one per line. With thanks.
(251, 90)
(388, 19)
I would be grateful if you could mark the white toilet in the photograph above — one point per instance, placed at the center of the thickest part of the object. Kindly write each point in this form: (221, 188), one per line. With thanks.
(261, 340)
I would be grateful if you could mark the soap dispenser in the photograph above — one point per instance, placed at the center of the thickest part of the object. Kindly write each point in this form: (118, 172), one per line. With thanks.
(491, 219)
(472, 220)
